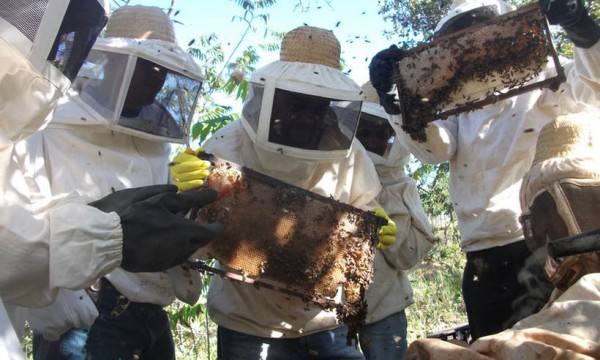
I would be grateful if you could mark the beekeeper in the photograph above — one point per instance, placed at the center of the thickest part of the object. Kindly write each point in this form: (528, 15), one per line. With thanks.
(489, 151)
(297, 125)
(559, 196)
(29, 86)
(384, 335)
(135, 94)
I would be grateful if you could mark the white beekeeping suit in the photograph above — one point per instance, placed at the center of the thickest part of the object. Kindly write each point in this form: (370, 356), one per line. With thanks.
(489, 150)
(36, 69)
(327, 161)
(390, 291)
(559, 200)
(504, 135)
(118, 147)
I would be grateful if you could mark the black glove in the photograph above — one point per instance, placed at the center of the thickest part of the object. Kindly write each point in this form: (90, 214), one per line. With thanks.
(381, 71)
(381, 68)
(120, 200)
(574, 18)
(156, 234)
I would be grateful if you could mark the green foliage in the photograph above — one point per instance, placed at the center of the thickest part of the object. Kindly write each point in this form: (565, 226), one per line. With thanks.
(436, 285)
(433, 184)
(226, 73)
(412, 21)
(202, 130)
(437, 280)
(193, 331)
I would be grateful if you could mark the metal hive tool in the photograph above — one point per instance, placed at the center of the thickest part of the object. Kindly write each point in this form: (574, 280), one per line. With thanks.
(288, 239)
(482, 64)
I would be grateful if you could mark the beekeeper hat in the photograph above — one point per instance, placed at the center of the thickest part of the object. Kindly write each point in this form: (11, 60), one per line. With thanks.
(309, 64)
(140, 22)
(569, 137)
(134, 35)
(310, 44)
(462, 6)
(567, 148)
(567, 167)
(397, 154)
(371, 101)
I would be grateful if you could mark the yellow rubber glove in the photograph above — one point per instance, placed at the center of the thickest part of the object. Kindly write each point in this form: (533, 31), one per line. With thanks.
(387, 233)
(187, 171)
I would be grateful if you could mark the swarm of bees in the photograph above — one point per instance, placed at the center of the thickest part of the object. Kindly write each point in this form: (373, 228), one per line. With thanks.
(474, 67)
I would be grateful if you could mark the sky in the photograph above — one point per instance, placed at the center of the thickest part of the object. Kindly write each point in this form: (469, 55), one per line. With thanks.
(355, 23)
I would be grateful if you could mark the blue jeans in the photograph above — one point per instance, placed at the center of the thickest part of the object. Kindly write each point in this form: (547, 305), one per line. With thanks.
(385, 339)
(122, 330)
(330, 344)
(71, 345)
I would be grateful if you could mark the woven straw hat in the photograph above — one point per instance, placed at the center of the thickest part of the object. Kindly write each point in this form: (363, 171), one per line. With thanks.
(567, 148)
(568, 137)
(310, 44)
(140, 22)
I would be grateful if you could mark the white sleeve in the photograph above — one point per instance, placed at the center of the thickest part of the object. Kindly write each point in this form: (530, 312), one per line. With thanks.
(441, 140)
(69, 245)
(414, 236)
(57, 244)
(587, 65)
(187, 283)
(70, 310)
(26, 97)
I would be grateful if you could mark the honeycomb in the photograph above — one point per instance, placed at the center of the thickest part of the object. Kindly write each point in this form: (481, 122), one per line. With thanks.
(474, 67)
(291, 239)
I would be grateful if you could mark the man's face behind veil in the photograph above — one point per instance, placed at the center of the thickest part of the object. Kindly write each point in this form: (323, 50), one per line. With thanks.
(298, 119)
(146, 81)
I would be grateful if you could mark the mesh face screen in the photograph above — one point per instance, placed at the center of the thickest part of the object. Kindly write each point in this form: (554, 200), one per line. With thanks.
(83, 21)
(25, 15)
(61, 39)
(292, 237)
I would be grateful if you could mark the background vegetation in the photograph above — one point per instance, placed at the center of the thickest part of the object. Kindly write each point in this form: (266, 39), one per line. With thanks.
(437, 280)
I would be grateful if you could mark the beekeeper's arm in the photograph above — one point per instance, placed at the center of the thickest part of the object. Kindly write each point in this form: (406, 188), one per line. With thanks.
(581, 91)
(33, 260)
(386, 234)
(414, 237)
(584, 76)
(26, 277)
(441, 135)
(440, 145)
(68, 243)
(71, 309)
(573, 17)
